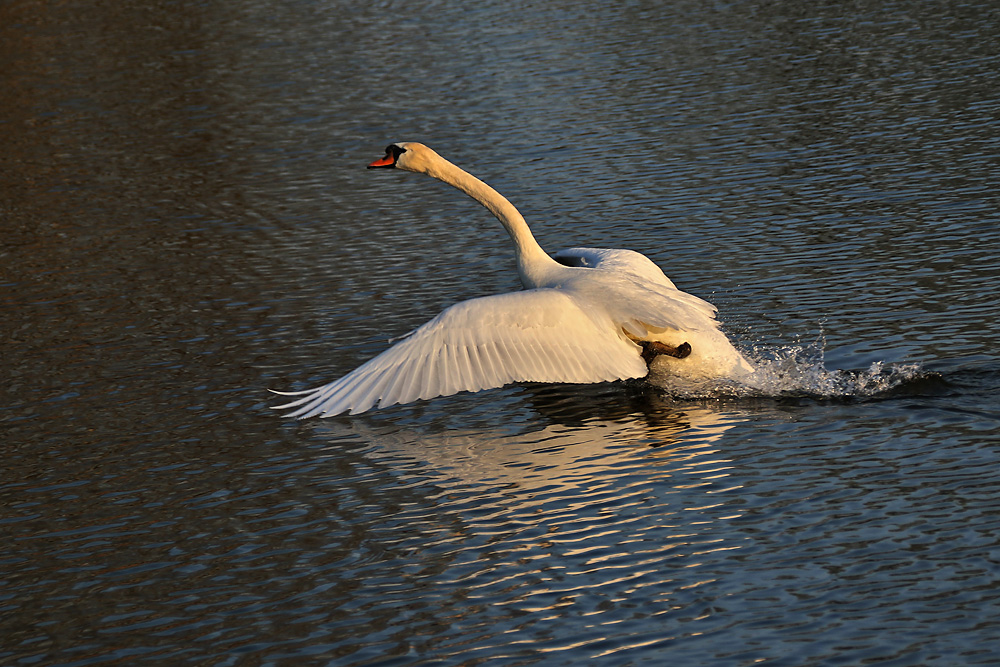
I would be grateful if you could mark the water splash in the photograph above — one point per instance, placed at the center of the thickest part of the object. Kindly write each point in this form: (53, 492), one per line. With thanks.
(798, 371)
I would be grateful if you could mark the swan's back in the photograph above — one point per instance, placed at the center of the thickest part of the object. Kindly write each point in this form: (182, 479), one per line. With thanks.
(613, 259)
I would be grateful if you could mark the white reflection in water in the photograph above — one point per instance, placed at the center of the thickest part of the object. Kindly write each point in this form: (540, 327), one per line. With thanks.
(574, 522)
(558, 454)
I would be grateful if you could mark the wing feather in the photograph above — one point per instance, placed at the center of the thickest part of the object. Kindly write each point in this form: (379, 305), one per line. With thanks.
(650, 299)
(502, 360)
(540, 335)
(455, 381)
(375, 386)
(511, 356)
(409, 388)
(617, 260)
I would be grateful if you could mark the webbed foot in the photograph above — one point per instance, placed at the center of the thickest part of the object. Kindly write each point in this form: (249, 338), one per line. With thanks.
(652, 349)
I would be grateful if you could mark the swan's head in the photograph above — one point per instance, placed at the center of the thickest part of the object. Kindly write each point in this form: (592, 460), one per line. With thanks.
(408, 156)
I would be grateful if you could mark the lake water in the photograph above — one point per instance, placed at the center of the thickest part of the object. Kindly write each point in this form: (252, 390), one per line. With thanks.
(186, 222)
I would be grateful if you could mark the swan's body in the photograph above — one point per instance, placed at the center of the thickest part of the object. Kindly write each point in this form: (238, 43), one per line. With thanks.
(585, 316)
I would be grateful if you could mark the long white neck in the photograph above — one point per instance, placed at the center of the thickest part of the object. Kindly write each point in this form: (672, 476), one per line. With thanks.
(533, 264)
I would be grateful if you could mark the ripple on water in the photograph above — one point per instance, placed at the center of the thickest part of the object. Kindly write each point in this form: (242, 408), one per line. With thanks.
(558, 525)
(183, 228)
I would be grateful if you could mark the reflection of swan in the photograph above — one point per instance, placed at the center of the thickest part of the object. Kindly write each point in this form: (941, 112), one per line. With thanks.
(589, 315)
(685, 445)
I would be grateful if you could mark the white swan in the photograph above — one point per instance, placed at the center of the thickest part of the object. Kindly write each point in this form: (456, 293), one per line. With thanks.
(588, 315)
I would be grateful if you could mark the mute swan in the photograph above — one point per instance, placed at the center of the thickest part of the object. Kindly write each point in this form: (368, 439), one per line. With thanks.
(587, 315)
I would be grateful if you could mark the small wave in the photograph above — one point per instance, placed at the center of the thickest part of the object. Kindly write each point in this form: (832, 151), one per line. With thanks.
(799, 372)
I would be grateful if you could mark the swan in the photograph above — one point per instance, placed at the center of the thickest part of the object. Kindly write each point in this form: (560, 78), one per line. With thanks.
(585, 315)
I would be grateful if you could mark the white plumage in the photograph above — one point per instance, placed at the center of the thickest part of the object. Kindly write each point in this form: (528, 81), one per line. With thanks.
(577, 321)
(481, 344)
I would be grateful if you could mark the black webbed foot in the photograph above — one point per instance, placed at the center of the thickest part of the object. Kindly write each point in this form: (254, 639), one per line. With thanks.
(652, 349)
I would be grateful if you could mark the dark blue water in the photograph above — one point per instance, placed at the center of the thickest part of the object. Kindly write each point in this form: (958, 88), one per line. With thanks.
(186, 222)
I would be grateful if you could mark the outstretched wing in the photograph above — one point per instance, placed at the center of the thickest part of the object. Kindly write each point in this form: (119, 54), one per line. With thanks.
(540, 335)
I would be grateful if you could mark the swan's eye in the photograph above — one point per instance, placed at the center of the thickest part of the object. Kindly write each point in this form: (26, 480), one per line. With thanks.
(395, 150)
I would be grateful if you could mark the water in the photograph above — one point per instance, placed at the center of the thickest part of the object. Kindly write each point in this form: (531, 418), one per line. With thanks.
(186, 222)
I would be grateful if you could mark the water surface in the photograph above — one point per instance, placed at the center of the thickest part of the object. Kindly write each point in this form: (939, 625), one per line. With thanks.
(187, 222)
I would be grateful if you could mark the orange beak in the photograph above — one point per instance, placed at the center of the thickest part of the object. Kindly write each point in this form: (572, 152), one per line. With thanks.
(388, 161)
